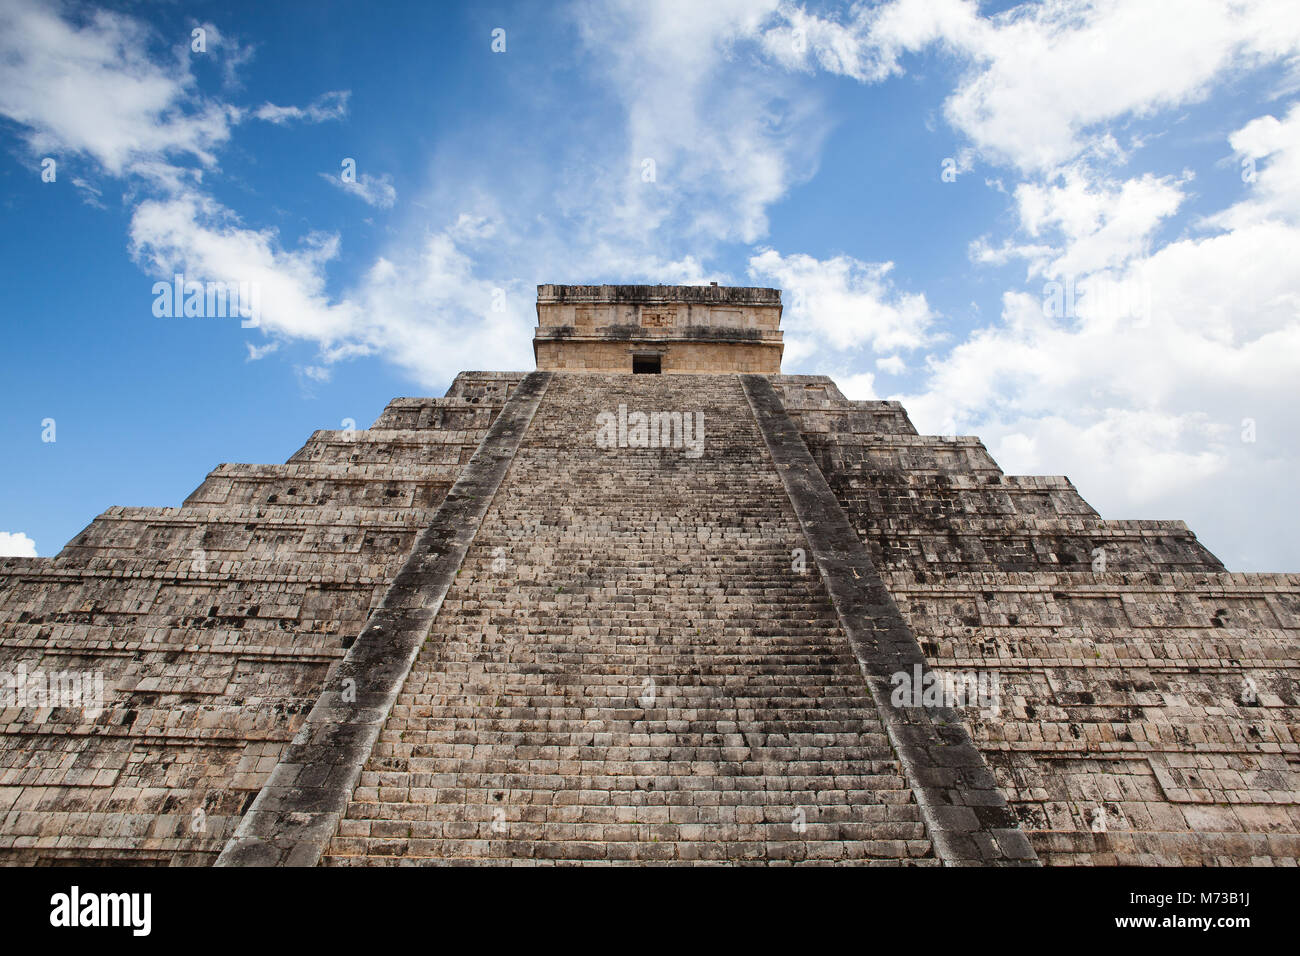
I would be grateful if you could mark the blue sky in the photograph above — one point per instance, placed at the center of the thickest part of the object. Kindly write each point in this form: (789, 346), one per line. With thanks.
(1146, 153)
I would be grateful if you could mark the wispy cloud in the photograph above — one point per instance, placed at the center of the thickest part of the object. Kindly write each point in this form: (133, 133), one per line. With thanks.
(1046, 79)
(328, 106)
(377, 191)
(93, 89)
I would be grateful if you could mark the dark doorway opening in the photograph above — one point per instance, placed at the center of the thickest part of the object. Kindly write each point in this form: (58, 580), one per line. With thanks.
(645, 364)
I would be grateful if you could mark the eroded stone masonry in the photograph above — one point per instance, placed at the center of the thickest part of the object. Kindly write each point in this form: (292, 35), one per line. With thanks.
(483, 630)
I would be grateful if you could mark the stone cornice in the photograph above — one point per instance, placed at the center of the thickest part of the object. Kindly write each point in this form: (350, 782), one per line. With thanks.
(655, 294)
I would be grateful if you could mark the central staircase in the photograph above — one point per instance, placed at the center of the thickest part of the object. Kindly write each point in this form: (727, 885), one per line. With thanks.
(637, 661)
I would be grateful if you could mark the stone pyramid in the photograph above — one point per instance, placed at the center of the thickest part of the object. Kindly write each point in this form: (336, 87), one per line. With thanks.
(653, 602)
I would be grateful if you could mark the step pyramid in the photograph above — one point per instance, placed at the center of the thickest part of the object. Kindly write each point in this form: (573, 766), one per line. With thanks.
(523, 624)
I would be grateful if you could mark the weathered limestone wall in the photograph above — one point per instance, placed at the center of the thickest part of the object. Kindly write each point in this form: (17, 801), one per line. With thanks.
(298, 809)
(701, 329)
(965, 813)
(213, 626)
(658, 307)
(1149, 704)
(676, 357)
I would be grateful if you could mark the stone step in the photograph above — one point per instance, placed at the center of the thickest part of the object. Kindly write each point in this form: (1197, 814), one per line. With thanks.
(613, 566)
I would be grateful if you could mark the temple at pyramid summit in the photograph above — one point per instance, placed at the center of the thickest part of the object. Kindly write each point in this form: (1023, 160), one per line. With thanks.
(654, 601)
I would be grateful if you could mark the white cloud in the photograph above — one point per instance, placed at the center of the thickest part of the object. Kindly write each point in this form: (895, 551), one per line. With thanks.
(1102, 223)
(844, 304)
(801, 40)
(1146, 409)
(1269, 146)
(858, 387)
(373, 190)
(1091, 224)
(193, 234)
(233, 54)
(328, 106)
(1045, 79)
(725, 138)
(431, 314)
(93, 89)
(1139, 386)
(1142, 408)
(724, 135)
(90, 193)
(15, 544)
(421, 307)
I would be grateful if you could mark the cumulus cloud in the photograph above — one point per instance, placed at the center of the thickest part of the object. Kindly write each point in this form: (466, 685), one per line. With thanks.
(424, 309)
(434, 315)
(869, 43)
(194, 234)
(1145, 371)
(1184, 400)
(840, 305)
(1266, 147)
(15, 544)
(1101, 223)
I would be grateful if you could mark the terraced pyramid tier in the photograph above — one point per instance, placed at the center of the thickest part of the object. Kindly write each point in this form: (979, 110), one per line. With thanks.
(213, 627)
